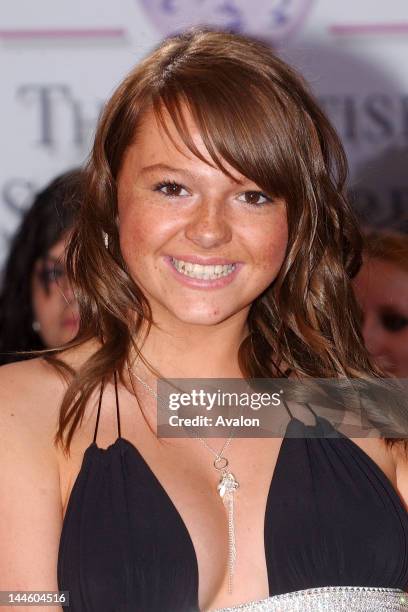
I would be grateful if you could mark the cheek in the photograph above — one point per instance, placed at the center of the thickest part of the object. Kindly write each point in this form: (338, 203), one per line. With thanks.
(39, 300)
(143, 233)
(135, 236)
(275, 255)
(270, 249)
(399, 343)
(48, 309)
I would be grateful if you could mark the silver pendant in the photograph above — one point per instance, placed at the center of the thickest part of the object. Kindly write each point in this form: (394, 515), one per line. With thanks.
(226, 489)
(228, 484)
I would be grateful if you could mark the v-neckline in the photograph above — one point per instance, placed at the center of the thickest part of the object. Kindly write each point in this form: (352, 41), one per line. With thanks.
(124, 441)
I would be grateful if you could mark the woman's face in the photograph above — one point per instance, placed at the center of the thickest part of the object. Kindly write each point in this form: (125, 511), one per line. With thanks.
(382, 290)
(55, 309)
(201, 245)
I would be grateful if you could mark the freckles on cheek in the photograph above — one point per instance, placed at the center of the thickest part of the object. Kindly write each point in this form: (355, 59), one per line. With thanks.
(273, 256)
(270, 242)
(132, 248)
(134, 238)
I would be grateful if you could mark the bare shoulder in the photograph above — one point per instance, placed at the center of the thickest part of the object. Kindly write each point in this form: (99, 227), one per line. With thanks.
(30, 499)
(31, 503)
(399, 451)
(31, 393)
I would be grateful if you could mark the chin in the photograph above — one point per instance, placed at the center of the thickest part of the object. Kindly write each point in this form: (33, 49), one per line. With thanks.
(211, 316)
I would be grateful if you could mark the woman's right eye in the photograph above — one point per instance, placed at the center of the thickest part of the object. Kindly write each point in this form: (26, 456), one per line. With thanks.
(394, 321)
(171, 189)
(51, 274)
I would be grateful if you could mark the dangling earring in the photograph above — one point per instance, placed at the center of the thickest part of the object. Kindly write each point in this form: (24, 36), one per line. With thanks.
(36, 326)
(106, 240)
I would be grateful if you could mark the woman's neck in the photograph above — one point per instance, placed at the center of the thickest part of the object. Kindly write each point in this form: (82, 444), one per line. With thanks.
(194, 351)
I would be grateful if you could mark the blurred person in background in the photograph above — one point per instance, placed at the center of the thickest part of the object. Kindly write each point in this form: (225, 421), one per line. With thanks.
(382, 289)
(37, 306)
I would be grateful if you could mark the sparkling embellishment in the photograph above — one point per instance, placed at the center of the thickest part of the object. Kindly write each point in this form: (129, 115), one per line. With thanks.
(226, 488)
(227, 484)
(330, 599)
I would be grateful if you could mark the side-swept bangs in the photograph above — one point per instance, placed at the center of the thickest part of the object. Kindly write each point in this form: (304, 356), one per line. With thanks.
(238, 124)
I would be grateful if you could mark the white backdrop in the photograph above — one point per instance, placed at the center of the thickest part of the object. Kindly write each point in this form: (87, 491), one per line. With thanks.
(59, 61)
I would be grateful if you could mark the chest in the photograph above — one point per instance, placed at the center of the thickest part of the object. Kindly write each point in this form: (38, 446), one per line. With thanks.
(208, 519)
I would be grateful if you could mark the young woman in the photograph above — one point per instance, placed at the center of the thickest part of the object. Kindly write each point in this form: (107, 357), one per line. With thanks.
(37, 306)
(214, 241)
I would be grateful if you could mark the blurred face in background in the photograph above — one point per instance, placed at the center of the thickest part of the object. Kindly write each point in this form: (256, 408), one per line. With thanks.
(55, 309)
(382, 290)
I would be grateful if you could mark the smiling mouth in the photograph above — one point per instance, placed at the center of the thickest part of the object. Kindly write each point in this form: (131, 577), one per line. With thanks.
(211, 272)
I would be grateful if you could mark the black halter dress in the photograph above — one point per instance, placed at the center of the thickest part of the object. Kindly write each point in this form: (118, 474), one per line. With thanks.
(332, 518)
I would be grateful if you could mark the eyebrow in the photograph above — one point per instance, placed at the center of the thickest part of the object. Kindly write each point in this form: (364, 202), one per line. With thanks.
(54, 259)
(167, 168)
(164, 167)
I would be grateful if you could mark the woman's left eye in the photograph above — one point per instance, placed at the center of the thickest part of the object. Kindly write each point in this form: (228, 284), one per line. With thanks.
(256, 198)
(171, 189)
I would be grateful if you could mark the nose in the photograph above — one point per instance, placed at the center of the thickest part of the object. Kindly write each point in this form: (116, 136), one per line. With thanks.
(209, 227)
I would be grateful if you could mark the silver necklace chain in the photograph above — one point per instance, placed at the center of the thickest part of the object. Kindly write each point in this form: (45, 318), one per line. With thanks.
(226, 486)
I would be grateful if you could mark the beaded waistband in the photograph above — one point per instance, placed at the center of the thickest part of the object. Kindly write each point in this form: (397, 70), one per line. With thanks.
(328, 599)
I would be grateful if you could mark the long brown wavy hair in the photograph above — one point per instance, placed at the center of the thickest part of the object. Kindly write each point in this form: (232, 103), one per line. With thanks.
(255, 113)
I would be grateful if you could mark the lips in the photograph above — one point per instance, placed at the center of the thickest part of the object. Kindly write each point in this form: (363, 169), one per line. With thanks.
(203, 272)
(71, 322)
(193, 272)
(204, 261)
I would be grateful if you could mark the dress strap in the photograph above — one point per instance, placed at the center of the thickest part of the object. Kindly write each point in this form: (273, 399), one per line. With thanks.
(304, 404)
(286, 374)
(100, 404)
(117, 403)
(312, 411)
(287, 409)
(99, 410)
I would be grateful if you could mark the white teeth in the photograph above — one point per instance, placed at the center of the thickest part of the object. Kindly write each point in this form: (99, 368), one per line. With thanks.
(202, 272)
